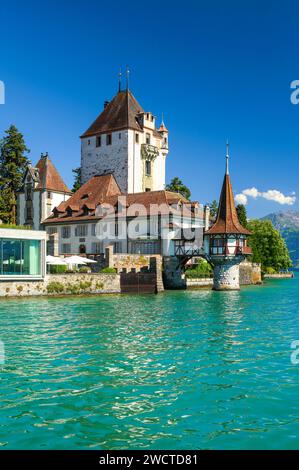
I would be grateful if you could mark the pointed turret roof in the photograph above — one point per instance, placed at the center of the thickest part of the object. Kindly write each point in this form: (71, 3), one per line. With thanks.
(227, 218)
(120, 113)
(48, 176)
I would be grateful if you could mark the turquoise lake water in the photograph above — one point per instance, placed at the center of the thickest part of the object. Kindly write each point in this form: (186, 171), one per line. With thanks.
(186, 369)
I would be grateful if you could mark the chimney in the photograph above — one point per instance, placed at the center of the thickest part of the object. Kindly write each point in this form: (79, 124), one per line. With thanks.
(207, 218)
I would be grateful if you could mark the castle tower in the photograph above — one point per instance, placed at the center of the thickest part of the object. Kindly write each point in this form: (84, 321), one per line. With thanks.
(227, 240)
(43, 189)
(124, 140)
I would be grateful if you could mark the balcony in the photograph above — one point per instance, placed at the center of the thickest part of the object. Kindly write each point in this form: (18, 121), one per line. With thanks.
(149, 152)
(230, 250)
(187, 249)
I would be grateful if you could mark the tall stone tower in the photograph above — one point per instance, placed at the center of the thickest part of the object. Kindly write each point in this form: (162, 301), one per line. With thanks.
(226, 240)
(124, 140)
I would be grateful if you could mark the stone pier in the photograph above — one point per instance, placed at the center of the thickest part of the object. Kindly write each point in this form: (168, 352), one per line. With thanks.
(227, 274)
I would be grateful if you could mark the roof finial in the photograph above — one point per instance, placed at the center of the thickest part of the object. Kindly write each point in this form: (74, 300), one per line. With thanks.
(127, 76)
(227, 157)
(162, 123)
(119, 79)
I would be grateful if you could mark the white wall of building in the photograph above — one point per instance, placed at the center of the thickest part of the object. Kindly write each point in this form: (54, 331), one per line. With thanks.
(123, 157)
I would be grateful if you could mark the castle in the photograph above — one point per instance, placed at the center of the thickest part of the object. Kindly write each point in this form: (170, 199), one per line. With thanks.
(123, 160)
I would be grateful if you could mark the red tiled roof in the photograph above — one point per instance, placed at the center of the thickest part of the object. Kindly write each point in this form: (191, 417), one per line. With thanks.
(93, 192)
(103, 189)
(49, 178)
(227, 218)
(120, 113)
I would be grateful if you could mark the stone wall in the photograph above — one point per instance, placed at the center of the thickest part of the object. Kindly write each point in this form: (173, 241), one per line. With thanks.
(136, 263)
(250, 273)
(199, 282)
(173, 277)
(63, 284)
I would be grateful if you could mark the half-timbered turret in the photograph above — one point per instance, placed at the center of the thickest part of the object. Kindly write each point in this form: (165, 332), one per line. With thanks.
(227, 239)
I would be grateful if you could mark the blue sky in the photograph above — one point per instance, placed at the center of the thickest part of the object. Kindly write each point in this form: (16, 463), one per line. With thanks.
(216, 69)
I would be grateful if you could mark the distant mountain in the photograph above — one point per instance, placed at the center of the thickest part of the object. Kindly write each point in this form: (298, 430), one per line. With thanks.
(288, 224)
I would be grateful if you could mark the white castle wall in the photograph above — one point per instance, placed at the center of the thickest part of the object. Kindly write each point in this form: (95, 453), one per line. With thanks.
(98, 160)
(123, 157)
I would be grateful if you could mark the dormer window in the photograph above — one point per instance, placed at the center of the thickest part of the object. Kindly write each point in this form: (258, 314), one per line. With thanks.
(85, 210)
(69, 212)
(85, 196)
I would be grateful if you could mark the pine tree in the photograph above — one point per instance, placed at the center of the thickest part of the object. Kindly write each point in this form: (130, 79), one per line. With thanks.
(213, 209)
(77, 179)
(13, 163)
(176, 185)
(242, 214)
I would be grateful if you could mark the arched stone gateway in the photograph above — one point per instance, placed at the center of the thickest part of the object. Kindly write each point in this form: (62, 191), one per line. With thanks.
(226, 241)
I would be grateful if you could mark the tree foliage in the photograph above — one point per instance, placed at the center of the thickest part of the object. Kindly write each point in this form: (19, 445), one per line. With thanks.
(13, 163)
(268, 246)
(213, 208)
(177, 186)
(242, 214)
(77, 179)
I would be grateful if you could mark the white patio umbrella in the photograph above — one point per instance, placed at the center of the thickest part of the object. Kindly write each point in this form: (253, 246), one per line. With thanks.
(55, 261)
(87, 260)
(74, 260)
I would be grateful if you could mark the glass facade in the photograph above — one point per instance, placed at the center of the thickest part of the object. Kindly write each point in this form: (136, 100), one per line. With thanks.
(20, 257)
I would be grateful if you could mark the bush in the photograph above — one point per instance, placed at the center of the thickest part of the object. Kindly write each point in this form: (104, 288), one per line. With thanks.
(270, 270)
(58, 269)
(55, 288)
(202, 269)
(109, 270)
(84, 269)
(19, 227)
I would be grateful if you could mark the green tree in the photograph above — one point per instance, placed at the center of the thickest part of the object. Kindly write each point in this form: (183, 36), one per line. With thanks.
(176, 185)
(213, 208)
(268, 246)
(77, 179)
(242, 214)
(13, 163)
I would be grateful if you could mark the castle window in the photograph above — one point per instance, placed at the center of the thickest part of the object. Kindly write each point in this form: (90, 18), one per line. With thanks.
(66, 232)
(29, 213)
(88, 142)
(147, 138)
(152, 118)
(148, 168)
(93, 230)
(51, 230)
(28, 193)
(108, 139)
(97, 247)
(66, 248)
(147, 190)
(49, 195)
(98, 141)
(119, 135)
(137, 138)
(81, 231)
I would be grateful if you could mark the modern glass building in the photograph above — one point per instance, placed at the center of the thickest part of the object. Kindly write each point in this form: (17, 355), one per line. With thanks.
(22, 254)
